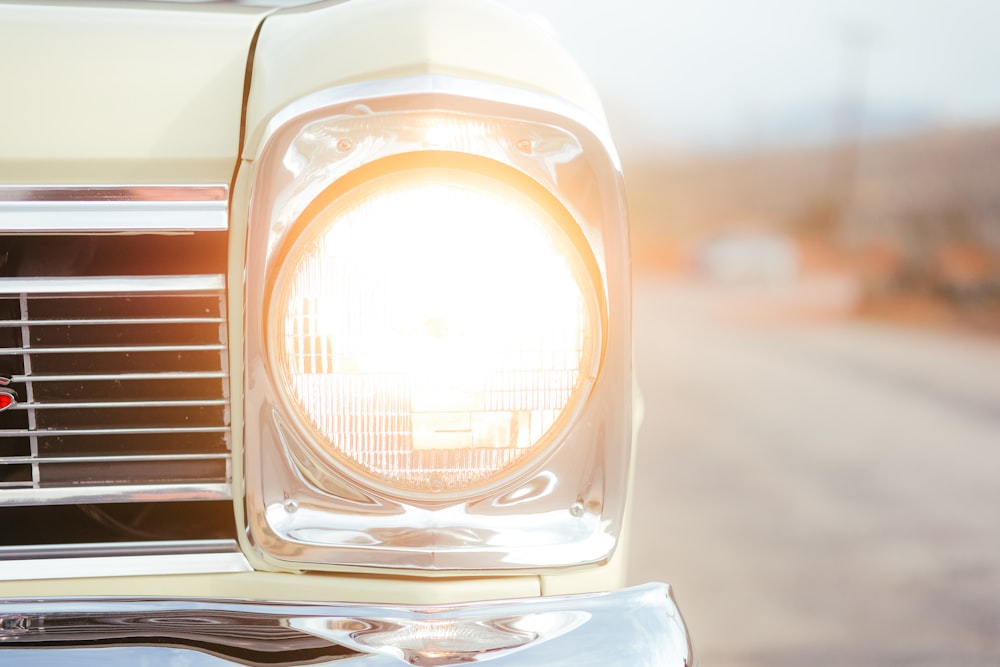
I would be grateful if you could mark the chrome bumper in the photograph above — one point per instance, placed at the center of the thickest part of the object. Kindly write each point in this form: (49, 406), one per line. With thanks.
(635, 627)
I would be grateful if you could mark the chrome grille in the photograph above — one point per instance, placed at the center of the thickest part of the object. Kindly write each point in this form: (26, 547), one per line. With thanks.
(122, 389)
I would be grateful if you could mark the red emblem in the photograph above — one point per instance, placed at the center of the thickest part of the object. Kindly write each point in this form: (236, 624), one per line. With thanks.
(7, 396)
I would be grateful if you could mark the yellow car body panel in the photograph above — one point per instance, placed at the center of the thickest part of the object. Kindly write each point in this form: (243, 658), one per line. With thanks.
(122, 94)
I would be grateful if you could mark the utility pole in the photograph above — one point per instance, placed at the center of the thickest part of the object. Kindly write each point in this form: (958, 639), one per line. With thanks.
(856, 45)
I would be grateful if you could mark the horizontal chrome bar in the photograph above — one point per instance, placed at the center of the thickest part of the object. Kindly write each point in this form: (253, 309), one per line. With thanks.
(133, 458)
(105, 377)
(92, 209)
(118, 348)
(112, 321)
(117, 285)
(50, 433)
(97, 405)
(634, 627)
(106, 549)
(136, 493)
(113, 193)
(125, 566)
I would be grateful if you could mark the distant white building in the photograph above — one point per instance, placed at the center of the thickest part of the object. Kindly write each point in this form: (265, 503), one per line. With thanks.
(749, 257)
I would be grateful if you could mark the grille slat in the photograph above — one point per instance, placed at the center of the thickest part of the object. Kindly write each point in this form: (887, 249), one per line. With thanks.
(101, 420)
(18, 496)
(41, 433)
(120, 459)
(35, 379)
(123, 348)
(119, 404)
(115, 321)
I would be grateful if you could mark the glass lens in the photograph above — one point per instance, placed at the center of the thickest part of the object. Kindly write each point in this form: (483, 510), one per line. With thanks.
(434, 329)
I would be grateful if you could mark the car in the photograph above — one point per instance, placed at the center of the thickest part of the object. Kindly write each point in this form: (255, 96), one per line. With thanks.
(315, 341)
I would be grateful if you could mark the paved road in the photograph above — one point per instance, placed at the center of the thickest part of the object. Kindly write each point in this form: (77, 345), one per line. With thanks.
(819, 492)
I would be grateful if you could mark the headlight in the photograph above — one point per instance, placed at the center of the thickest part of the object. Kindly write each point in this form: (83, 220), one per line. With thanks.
(438, 363)
(434, 325)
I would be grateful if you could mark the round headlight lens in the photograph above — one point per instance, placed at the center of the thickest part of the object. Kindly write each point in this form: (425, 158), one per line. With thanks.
(434, 329)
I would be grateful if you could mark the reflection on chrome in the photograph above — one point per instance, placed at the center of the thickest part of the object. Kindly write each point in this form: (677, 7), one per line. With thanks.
(521, 539)
(636, 627)
(537, 487)
(441, 642)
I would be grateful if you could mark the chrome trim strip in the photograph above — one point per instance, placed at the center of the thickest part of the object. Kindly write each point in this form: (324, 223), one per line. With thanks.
(121, 348)
(112, 193)
(123, 285)
(191, 375)
(26, 495)
(41, 433)
(114, 321)
(120, 404)
(125, 458)
(134, 208)
(125, 566)
(137, 548)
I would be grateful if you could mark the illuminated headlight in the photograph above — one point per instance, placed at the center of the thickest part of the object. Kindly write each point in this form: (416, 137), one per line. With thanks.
(434, 326)
(437, 361)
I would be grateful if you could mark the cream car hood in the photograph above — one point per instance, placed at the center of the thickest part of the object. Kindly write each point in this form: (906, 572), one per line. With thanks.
(120, 93)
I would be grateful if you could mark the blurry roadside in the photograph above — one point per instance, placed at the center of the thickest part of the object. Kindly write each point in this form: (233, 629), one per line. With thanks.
(905, 230)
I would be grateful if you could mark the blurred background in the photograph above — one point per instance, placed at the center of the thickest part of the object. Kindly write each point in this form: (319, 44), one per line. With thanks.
(815, 198)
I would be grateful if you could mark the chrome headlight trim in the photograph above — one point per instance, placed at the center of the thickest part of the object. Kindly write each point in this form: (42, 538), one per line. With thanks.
(566, 508)
(437, 84)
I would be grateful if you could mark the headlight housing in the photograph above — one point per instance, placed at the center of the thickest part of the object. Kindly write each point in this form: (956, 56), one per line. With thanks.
(438, 337)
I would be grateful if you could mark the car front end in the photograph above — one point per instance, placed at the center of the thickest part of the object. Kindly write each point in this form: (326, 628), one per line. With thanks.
(316, 339)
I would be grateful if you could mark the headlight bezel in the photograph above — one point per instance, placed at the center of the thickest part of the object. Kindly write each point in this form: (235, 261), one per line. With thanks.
(567, 508)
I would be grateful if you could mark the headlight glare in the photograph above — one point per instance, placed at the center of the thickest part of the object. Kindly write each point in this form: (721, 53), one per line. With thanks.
(435, 328)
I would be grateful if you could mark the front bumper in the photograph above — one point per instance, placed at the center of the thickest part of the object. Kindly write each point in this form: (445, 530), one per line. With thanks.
(635, 627)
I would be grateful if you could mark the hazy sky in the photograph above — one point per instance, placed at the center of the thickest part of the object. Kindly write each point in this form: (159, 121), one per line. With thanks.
(724, 73)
